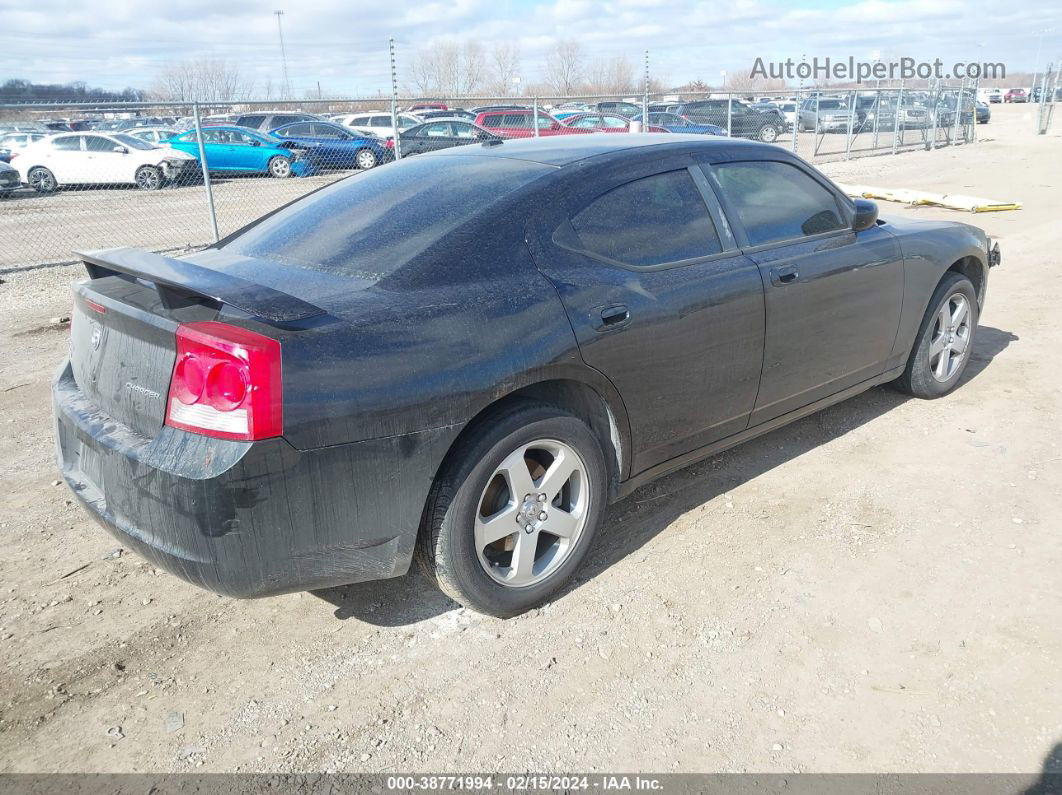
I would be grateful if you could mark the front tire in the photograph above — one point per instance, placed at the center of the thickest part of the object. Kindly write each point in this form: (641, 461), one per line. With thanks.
(42, 180)
(366, 159)
(945, 340)
(280, 167)
(514, 513)
(149, 178)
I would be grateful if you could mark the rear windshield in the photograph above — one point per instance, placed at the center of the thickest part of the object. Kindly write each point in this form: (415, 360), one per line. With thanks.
(370, 225)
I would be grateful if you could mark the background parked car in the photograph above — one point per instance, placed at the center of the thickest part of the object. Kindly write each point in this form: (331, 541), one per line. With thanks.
(9, 179)
(452, 113)
(270, 120)
(331, 145)
(625, 109)
(825, 114)
(240, 149)
(984, 113)
(153, 135)
(517, 123)
(745, 121)
(1015, 95)
(443, 134)
(378, 122)
(672, 122)
(606, 122)
(99, 159)
(17, 141)
(995, 95)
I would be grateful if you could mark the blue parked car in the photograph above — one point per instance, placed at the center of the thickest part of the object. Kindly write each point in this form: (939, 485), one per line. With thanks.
(675, 123)
(335, 146)
(241, 149)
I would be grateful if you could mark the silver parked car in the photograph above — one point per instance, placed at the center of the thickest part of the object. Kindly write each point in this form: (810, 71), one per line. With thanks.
(824, 114)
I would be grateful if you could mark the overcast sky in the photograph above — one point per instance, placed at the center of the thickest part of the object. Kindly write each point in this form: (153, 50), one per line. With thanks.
(343, 43)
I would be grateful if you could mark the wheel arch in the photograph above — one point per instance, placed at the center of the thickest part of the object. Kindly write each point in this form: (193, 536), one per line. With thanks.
(584, 394)
(973, 269)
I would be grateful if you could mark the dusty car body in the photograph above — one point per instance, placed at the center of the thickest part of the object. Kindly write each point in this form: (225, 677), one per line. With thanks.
(395, 335)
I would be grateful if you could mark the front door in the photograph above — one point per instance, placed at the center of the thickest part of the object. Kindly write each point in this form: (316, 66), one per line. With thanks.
(833, 296)
(661, 302)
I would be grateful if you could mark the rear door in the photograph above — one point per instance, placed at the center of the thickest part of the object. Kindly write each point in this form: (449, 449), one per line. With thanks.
(661, 300)
(66, 160)
(833, 296)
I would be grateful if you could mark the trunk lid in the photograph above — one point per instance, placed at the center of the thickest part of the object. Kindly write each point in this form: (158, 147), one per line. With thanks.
(124, 321)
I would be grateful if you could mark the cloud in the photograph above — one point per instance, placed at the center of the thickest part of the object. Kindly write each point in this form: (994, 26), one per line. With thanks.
(344, 44)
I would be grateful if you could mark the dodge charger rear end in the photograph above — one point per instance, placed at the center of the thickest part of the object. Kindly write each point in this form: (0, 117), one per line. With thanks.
(470, 353)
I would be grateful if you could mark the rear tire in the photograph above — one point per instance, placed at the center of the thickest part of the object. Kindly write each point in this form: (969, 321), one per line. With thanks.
(768, 134)
(42, 180)
(945, 340)
(490, 522)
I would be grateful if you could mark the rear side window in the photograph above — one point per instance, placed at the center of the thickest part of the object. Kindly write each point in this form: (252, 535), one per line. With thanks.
(298, 129)
(651, 221)
(250, 121)
(492, 121)
(777, 201)
(68, 144)
(369, 227)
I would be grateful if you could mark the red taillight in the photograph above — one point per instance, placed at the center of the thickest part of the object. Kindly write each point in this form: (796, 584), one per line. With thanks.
(390, 143)
(225, 383)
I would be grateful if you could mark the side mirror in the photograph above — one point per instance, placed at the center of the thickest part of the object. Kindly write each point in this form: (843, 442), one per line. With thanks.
(121, 150)
(866, 214)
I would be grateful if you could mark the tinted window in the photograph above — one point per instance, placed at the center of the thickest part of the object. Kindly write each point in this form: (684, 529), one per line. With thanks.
(67, 143)
(492, 121)
(97, 143)
(380, 121)
(371, 226)
(298, 129)
(250, 121)
(322, 130)
(777, 201)
(650, 221)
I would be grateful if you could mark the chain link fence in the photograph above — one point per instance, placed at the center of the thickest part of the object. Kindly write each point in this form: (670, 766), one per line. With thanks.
(173, 176)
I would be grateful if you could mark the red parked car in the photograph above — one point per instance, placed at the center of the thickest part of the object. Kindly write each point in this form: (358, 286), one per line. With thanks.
(426, 106)
(513, 123)
(1016, 95)
(606, 122)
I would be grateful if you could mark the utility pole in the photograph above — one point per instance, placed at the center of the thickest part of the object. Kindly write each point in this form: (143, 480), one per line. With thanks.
(283, 55)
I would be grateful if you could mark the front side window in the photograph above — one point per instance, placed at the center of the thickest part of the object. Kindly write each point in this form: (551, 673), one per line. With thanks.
(97, 143)
(651, 221)
(298, 129)
(437, 130)
(777, 201)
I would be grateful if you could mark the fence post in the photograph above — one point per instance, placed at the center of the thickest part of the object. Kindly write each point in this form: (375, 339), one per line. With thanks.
(897, 126)
(877, 117)
(729, 112)
(796, 119)
(853, 102)
(958, 113)
(815, 135)
(934, 105)
(645, 96)
(534, 119)
(206, 172)
(394, 102)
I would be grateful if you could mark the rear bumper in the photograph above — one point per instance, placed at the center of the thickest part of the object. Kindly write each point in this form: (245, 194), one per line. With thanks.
(248, 519)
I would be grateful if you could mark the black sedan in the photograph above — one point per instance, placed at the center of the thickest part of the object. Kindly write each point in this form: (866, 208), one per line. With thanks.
(472, 352)
(443, 134)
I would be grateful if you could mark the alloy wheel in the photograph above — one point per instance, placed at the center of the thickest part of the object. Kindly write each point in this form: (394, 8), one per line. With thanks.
(951, 337)
(366, 159)
(532, 512)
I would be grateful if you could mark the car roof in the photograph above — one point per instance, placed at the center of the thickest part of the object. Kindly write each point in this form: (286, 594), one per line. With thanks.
(563, 150)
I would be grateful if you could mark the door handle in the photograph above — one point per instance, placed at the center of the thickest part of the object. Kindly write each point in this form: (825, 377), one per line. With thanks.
(786, 275)
(613, 317)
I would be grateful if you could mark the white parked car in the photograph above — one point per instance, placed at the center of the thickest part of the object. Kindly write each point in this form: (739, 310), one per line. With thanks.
(153, 135)
(17, 141)
(378, 122)
(99, 159)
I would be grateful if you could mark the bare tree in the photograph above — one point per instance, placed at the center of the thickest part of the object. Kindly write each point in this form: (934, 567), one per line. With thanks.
(449, 69)
(611, 76)
(564, 67)
(504, 66)
(204, 80)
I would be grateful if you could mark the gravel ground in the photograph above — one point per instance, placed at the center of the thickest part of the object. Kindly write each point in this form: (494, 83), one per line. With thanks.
(874, 588)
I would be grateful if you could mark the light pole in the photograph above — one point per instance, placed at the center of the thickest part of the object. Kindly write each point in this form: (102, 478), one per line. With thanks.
(283, 55)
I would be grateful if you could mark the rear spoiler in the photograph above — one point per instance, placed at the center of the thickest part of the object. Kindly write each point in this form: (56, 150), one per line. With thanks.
(177, 280)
